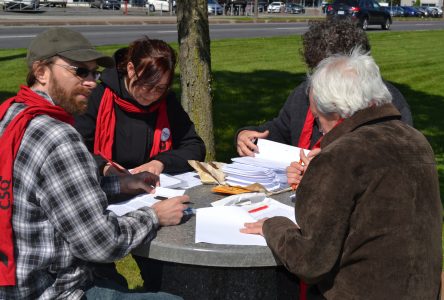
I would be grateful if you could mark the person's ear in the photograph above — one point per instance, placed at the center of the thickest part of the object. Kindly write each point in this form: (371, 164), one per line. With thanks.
(41, 73)
(130, 70)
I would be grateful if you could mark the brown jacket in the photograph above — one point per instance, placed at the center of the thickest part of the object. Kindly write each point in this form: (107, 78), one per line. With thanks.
(370, 213)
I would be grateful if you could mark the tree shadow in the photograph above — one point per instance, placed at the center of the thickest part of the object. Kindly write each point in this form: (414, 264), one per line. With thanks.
(11, 57)
(242, 99)
(427, 117)
(6, 95)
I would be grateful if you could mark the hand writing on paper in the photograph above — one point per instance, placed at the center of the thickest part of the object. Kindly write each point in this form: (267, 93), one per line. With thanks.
(138, 183)
(114, 169)
(296, 169)
(170, 211)
(154, 166)
(254, 228)
(246, 139)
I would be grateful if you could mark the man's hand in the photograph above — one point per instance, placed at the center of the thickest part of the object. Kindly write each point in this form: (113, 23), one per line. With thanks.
(297, 169)
(138, 183)
(246, 139)
(254, 228)
(170, 211)
(154, 166)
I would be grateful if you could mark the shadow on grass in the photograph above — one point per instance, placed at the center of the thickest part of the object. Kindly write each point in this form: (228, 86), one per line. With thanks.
(427, 117)
(11, 57)
(242, 99)
(6, 95)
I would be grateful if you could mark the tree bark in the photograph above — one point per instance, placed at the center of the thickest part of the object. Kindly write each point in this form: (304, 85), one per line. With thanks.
(195, 68)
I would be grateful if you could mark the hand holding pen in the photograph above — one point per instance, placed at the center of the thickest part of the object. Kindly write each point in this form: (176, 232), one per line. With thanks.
(113, 168)
(296, 170)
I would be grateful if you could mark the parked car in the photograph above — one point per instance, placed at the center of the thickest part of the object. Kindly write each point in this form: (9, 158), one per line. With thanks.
(365, 12)
(410, 11)
(434, 12)
(262, 5)
(21, 4)
(292, 8)
(158, 5)
(395, 11)
(214, 8)
(105, 4)
(423, 10)
(276, 7)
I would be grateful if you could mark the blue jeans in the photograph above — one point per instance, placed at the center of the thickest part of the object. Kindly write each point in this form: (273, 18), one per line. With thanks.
(108, 290)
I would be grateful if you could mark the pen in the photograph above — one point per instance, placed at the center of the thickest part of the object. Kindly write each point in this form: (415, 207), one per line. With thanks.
(116, 166)
(258, 209)
(189, 211)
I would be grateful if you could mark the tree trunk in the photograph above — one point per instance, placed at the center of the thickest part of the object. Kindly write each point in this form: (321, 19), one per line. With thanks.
(195, 68)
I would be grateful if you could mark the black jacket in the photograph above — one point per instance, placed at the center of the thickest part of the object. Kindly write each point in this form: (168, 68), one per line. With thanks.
(134, 132)
(287, 126)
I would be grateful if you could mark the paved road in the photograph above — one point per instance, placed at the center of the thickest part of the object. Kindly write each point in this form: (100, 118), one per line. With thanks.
(111, 27)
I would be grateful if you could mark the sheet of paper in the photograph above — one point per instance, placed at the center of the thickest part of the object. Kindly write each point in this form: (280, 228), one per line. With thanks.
(143, 200)
(188, 180)
(167, 192)
(168, 181)
(213, 226)
(135, 203)
(278, 152)
(261, 162)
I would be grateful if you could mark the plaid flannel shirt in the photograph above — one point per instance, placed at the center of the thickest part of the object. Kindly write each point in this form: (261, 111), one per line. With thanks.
(59, 217)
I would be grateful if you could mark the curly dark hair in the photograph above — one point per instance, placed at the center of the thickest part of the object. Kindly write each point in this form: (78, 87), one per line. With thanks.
(331, 36)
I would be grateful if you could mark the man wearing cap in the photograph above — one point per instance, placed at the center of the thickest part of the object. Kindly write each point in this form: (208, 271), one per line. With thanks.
(53, 218)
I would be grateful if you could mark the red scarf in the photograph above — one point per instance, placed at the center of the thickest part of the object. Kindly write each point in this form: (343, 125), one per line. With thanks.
(106, 124)
(304, 142)
(307, 131)
(9, 145)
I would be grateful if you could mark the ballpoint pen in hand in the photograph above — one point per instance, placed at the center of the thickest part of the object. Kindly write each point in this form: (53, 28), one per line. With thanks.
(115, 165)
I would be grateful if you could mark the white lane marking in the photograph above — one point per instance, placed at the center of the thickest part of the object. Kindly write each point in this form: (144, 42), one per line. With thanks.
(17, 36)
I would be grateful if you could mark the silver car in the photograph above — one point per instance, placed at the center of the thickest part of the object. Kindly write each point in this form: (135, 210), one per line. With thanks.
(214, 8)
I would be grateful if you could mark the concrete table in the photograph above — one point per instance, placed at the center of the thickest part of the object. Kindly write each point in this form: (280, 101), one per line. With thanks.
(208, 271)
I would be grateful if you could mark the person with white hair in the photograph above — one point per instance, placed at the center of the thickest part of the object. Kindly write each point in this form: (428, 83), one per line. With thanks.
(368, 209)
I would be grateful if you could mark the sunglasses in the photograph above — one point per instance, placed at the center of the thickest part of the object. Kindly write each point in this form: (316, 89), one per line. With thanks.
(81, 71)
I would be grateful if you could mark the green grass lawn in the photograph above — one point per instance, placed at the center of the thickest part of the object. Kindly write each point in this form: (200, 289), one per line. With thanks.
(253, 77)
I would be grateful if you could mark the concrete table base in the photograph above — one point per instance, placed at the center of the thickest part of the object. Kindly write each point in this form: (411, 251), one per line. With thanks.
(202, 282)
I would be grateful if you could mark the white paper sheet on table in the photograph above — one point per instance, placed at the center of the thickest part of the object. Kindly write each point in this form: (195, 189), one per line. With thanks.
(168, 181)
(188, 180)
(213, 226)
(221, 224)
(143, 200)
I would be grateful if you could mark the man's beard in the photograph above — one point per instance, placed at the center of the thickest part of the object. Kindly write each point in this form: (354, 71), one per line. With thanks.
(66, 99)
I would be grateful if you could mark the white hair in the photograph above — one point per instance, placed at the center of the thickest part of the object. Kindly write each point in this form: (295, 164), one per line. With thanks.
(345, 84)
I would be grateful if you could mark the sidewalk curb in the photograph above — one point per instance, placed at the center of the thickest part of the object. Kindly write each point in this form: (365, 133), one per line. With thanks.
(39, 20)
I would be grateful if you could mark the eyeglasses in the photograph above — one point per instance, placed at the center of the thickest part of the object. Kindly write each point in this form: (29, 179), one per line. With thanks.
(81, 71)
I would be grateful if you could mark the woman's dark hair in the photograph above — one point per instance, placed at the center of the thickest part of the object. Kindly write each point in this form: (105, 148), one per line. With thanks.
(151, 59)
(331, 36)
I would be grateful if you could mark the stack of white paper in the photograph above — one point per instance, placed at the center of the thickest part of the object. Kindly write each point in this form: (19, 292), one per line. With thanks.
(243, 174)
(268, 167)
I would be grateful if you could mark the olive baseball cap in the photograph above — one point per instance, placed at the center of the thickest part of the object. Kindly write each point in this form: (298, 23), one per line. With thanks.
(66, 43)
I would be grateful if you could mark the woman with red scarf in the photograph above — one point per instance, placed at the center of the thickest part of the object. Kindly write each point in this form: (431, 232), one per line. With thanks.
(134, 119)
